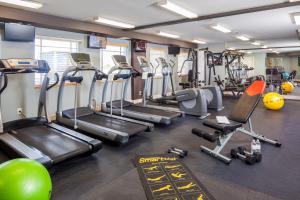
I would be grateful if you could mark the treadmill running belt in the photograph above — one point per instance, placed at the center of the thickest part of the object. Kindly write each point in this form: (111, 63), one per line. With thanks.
(115, 124)
(51, 142)
(152, 111)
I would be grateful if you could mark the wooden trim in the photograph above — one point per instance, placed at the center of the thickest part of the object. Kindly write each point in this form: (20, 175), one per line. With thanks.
(38, 86)
(117, 44)
(164, 50)
(9, 14)
(223, 14)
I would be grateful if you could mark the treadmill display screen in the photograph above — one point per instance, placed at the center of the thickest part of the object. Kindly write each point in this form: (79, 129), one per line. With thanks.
(24, 63)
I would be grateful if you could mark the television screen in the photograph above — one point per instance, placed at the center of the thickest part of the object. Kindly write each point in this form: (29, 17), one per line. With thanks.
(174, 50)
(19, 33)
(96, 42)
(140, 46)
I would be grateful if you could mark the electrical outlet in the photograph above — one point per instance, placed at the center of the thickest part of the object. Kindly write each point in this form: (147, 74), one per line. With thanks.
(19, 111)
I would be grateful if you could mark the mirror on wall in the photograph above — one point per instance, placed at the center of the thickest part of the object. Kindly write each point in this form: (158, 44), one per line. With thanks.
(284, 69)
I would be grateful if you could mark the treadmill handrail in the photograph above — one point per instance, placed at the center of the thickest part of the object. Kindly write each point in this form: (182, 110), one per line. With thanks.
(5, 81)
(71, 69)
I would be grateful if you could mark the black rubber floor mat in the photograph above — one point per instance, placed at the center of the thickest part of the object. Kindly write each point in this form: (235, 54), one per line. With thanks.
(165, 177)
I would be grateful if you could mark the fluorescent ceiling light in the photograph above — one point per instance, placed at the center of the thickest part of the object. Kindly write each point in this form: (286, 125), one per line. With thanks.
(242, 37)
(177, 9)
(264, 46)
(221, 28)
(168, 35)
(199, 42)
(256, 43)
(23, 3)
(110, 22)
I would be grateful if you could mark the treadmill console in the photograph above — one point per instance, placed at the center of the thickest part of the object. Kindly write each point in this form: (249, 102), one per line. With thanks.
(19, 63)
(121, 61)
(24, 65)
(81, 60)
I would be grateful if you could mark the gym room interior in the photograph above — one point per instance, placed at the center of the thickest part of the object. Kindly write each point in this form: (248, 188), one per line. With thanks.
(149, 100)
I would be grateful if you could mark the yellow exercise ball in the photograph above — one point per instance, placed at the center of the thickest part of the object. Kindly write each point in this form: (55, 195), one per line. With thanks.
(273, 101)
(287, 87)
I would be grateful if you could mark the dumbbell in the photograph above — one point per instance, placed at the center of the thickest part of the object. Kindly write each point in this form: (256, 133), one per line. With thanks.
(184, 152)
(180, 153)
(248, 159)
(242, 150)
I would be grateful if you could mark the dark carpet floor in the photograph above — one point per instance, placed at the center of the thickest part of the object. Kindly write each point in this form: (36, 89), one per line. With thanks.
(110, 174)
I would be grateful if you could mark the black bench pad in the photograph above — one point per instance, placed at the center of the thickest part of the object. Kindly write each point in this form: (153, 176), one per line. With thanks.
(213, 123)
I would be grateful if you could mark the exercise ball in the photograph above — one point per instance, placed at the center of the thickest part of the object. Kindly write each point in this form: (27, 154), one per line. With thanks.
(273, 101)
(24, 179)
(287, 87)
(285, 75)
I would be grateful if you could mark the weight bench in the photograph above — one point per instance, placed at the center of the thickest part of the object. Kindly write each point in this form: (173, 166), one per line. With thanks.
(239, 117)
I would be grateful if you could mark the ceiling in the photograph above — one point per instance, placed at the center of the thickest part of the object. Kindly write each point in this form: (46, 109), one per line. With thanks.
(267, 27)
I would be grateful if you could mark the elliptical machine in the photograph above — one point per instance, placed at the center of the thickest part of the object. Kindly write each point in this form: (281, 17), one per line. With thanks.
(194, 101)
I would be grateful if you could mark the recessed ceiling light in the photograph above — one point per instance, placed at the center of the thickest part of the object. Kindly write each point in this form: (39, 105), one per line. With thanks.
(199, 41)
(177, 9)
(242, 37)
(256, 43)
(28, 4)
(221, 28)
(110, 22)
(168, 35)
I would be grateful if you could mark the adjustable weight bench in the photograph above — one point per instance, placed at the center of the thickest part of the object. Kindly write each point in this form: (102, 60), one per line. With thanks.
(239, 117)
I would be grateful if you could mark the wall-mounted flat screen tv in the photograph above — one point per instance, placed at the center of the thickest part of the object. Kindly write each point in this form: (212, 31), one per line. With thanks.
(96, 42)
(19, 32)
(174, 50)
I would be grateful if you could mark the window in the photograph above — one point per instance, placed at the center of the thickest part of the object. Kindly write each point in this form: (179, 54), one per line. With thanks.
(106, 55)
(181, 58)
(56, 52)
(156, 53)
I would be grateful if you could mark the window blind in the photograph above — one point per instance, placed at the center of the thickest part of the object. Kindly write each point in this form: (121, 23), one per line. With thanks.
(56, 52)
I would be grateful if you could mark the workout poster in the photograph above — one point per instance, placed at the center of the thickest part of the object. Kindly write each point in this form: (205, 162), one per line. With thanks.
(164, 177)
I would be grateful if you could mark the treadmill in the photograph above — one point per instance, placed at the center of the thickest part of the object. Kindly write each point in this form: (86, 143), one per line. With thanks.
(37, 138)
(128, 109)
(106, 126)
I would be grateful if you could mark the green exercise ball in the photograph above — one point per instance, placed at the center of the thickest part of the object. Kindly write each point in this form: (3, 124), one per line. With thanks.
(24, 179)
